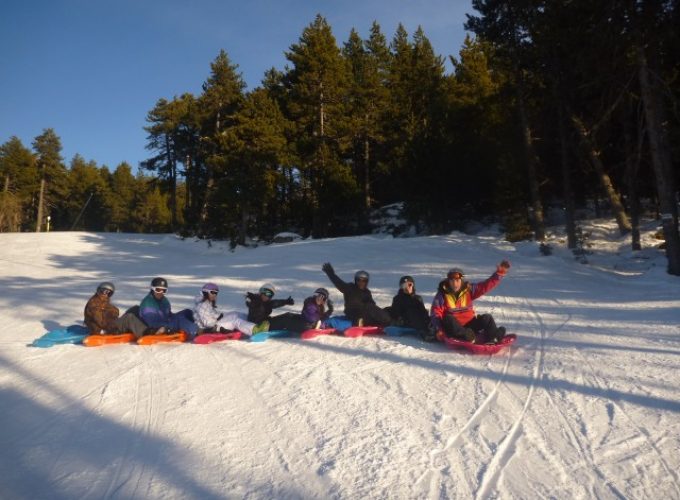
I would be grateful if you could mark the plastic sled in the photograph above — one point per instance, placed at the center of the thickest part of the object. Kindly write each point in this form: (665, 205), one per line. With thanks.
(480, 348)
(398, 331)
(315, 332)
(210, 337)
(118, 338)
(163, 338)
(73, 334)
(360, 331)
(262, 336)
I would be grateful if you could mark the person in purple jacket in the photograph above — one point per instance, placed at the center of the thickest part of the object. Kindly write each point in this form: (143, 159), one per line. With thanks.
(316, 309)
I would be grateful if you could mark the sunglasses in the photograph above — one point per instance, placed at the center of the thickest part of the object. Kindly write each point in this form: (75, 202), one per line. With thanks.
(159, 289)
(105, 291)
(455, 276)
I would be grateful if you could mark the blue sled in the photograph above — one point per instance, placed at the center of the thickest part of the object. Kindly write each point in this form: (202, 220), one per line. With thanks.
(398, 331)
(262, 336)
(73, 334)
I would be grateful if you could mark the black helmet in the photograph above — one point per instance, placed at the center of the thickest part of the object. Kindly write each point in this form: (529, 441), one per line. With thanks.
(107, 285)
(455, 272)
(322, 292)
(159, 282)
(361, 275)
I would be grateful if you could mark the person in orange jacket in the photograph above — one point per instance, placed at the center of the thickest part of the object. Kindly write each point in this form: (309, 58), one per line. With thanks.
(452, 313)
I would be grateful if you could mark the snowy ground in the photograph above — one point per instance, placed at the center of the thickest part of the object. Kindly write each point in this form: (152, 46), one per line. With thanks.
(585, 405)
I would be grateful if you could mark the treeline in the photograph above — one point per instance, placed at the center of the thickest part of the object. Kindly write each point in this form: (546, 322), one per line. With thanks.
(549, 104)
(40, 193)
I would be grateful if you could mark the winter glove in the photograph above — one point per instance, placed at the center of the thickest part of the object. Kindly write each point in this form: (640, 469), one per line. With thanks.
(327, 268)
(503, 267)
(290, 301)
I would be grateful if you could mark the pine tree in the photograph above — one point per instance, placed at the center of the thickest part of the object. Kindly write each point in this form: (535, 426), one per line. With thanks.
(19, 177)
(52, 188)
(317, 103)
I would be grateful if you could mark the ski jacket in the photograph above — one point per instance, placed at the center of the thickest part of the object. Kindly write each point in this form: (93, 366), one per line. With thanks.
(259, 310)
(313, 312)
(155, 313)
(100, 314)
(406, 305)
(206, 315)
(356, 299)
(459, 304)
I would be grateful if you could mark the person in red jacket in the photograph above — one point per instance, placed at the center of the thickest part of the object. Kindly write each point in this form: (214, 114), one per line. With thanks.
(452, 313)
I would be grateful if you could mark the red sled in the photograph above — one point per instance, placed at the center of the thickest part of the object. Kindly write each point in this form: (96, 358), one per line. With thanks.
(210, 337)
(315, 332)
(360, 331)
(480, 348)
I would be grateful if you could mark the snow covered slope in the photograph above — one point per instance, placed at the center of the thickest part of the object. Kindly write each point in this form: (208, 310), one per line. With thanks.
(585, 405)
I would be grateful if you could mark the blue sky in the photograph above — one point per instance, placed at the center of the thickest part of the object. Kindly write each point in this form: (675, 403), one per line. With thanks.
(92, 69)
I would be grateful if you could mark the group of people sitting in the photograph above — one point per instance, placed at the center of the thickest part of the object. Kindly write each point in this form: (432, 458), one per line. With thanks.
(451, 315)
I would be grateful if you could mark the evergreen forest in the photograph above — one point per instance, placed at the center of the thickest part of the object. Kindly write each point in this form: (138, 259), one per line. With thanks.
(550, 107)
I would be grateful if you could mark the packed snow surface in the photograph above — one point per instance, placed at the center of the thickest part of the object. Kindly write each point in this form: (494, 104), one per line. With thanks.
(585, 404)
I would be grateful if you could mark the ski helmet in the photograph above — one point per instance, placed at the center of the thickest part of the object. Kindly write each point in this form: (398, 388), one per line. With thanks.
(159, 282)
(107, 285)
(361, 275)
(455, 272)
(322, 292)
(210, 287)
(268, 290)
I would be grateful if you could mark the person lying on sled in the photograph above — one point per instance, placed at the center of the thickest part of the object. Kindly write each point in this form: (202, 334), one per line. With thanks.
(316, 310)
(452, 313)
(209, 318)
(101, 316)
(156, 312)
(408, 308)
(360, 307)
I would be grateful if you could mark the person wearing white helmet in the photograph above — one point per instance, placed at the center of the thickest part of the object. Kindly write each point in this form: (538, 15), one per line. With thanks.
(210, 319)
(360, 307)
(260, 305)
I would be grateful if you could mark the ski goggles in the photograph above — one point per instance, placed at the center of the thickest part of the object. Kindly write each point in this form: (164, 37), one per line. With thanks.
(455, 276)
(159, 289)
(213, 292)
(267, 293)
(105, 291)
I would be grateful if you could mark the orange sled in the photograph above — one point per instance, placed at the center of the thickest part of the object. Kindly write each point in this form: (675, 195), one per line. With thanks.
(164, 338)
(118, 338)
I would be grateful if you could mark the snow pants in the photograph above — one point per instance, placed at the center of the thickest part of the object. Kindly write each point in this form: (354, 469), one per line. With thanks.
(235, 321)
(453, 328)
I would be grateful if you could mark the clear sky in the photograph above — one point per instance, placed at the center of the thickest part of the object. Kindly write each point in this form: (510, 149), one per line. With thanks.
(92, 69)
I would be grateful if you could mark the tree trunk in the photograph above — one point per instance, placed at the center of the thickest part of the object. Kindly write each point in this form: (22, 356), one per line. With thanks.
(41, 203)
(172, 169)
(567, 190)
(632, 155)
(538, 219)
(661, 160)
(612, 194)
(367, 177)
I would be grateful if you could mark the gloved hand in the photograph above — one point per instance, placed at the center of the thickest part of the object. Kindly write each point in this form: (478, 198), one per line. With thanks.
(327, 268)
(503, 267)
(290, 301)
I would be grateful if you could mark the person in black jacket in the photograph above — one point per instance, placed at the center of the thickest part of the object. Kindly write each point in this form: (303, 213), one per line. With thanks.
(260, 304)
(360, 307)
(408, 308)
